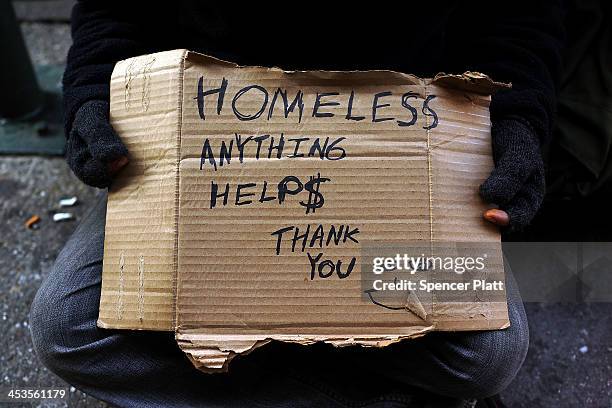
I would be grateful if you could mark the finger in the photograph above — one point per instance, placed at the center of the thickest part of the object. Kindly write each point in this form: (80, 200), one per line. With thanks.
(497, 217)
(516, 154)
(89, 170)
(524, 206)
(104, 144)
(95, 173)
(77, 152)
(501, 187)
(116, 165)
(93, 126)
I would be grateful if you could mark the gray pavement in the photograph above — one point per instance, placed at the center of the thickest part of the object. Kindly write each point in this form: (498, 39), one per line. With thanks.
(31, 186)
(47, 11)
(569, 362)
(48, 43)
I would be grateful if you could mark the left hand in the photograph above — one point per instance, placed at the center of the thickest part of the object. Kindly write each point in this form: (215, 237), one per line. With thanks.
(94, 151)
(516, 184)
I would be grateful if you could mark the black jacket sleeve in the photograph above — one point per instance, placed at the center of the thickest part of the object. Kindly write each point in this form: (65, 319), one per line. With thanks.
(103, 32)
(520, 42)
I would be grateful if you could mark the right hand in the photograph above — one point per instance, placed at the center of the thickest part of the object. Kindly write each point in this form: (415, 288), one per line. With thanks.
(517, 183)
(94, 151)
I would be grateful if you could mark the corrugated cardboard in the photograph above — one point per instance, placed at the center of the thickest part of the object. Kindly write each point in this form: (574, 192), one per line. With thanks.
(215, 275)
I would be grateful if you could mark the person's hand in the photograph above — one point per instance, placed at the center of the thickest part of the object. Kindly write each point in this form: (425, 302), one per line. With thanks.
(94, 151)
(516, 184)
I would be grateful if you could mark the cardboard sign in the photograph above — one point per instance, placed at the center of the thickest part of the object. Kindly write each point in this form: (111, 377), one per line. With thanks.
(256, 199)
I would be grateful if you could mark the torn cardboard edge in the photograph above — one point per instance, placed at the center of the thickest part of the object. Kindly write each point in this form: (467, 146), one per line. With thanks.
(212, 352)
(208, 355)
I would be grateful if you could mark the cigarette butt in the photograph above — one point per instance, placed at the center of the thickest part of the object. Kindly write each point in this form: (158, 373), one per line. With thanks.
(57, 217)
(68, 201)
(32, 221)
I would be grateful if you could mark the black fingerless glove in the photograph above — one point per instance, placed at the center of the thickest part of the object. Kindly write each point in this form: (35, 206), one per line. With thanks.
(93, 144)
(516, 184)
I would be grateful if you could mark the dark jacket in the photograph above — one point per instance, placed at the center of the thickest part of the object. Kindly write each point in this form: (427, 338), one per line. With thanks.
(518, 43)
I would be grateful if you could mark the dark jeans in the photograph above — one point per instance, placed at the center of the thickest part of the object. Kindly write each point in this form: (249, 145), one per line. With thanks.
(134, 369)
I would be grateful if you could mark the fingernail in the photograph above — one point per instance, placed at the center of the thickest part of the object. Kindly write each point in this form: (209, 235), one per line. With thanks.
(117, 164)
(497, 217)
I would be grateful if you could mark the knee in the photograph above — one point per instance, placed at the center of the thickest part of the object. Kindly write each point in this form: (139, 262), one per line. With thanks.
(490, 361)
(45, 328)
(62, 323)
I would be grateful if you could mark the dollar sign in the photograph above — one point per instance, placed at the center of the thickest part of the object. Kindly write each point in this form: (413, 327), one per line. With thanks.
(315, 198)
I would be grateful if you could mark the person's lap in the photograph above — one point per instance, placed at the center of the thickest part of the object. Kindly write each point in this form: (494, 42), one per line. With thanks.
(147, 368)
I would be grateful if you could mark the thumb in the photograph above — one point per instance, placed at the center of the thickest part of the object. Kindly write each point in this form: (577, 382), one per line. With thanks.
(117, 164)
(93, 126)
